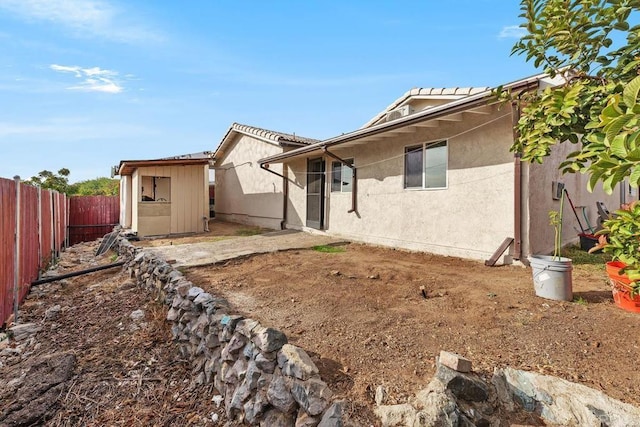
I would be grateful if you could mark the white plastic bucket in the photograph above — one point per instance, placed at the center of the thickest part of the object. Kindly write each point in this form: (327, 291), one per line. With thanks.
(552, 277)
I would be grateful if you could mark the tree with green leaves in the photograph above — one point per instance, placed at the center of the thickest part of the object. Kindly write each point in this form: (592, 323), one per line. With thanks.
(592, 45)
(60, 182)
(96, 187)
(47, 179)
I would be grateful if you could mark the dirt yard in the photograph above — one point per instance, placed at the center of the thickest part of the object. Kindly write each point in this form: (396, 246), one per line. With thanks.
(360, 314)
(363, 318)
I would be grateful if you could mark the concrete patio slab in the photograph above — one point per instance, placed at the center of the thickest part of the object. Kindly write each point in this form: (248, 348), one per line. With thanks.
(207, 253)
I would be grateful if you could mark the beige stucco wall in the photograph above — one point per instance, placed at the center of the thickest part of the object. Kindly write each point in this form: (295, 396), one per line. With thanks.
(421, 104)
(470, 218)
(296, 171)
(183, 213)
(540, 201)
(245, 193)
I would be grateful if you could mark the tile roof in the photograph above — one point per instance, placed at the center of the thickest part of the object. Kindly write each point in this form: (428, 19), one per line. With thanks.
(199, 155)
(432, 91)
(427, 92)
(279, 138)
(272, 135)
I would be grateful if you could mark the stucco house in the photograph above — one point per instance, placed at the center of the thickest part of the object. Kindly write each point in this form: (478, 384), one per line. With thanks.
(432, 172)
(164, 196)
(245, 193)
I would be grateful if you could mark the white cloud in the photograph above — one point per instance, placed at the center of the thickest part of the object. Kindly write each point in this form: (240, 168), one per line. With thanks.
(64, 68)
(85, 18)
(93, 79)
(512, 32)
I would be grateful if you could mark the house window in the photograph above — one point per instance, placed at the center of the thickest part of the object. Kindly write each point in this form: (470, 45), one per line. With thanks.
(155, 189)
(425, 166)
(341, 176)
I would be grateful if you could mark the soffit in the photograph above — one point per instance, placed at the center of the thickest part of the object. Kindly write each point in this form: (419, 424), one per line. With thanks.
(127, 167)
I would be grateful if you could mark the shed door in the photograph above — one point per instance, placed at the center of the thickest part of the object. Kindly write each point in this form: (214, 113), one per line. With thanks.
(315, 193)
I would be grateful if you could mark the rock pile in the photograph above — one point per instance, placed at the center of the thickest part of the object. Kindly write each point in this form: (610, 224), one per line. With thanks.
(458, 397)
(261, 378)
(37, 390)
(24, 343)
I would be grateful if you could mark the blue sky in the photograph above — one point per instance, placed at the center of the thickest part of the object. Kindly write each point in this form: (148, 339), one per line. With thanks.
(87, 83)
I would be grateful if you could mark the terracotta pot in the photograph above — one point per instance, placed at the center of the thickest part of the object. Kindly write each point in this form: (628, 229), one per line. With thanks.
(621, 289)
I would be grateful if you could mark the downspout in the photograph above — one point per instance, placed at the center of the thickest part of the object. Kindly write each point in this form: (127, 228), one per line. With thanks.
(285, 198)
(354, 192)
(517, 196)
(285, 193)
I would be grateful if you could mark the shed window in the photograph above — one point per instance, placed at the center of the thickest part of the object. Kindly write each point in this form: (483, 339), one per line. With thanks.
(425, 166)
(156, 189)
(341, 177)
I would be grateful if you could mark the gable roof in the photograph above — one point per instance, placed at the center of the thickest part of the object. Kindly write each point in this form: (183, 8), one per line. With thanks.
(426, 93)
(469, 102)
(279, 138)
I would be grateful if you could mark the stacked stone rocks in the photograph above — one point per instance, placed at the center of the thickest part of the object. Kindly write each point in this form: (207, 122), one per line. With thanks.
(262, 379)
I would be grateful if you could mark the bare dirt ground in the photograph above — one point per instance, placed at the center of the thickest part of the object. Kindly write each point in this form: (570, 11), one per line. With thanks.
(360, 314)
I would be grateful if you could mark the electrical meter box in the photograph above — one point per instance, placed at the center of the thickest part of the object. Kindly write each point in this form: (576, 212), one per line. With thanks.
(557, 188)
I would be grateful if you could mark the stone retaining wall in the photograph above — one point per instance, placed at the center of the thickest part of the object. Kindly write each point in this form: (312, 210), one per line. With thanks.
(261, 378)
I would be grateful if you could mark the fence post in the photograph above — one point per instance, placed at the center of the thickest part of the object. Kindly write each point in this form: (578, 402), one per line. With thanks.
(16, 271)
(67, 202)
(55, 213)
(52, 248)
(40, 263)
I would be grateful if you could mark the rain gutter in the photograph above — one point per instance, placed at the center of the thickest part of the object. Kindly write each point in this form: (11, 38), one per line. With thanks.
(354, 182)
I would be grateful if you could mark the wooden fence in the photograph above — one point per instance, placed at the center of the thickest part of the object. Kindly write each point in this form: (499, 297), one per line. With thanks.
(91, 217)
(33, 224)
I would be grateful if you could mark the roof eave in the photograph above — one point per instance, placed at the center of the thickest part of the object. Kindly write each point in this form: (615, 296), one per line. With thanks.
(457, 106)
(127, 167)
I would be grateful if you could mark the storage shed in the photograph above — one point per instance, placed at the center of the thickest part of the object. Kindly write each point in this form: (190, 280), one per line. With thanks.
(164, 196)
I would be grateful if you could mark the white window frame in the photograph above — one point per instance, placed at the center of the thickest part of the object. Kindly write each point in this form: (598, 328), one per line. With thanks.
(343, 169)
(425, 148)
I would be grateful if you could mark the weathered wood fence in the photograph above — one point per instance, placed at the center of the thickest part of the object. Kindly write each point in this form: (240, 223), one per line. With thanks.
(33, 224)
(91, 217)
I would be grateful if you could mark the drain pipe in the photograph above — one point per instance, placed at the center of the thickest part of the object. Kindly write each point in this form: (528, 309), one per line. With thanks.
(354, 183)
(517, 196)
(285, 192)
(285, 198)
(77, 273)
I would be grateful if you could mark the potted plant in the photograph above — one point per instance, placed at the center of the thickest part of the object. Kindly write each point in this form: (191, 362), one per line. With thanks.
(552, 274)
(620, 237)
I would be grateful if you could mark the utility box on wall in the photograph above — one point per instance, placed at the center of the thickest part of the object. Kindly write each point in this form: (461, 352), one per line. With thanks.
(557, 189)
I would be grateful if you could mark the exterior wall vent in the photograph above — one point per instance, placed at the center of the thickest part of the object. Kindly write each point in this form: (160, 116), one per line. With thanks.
(403, 111)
